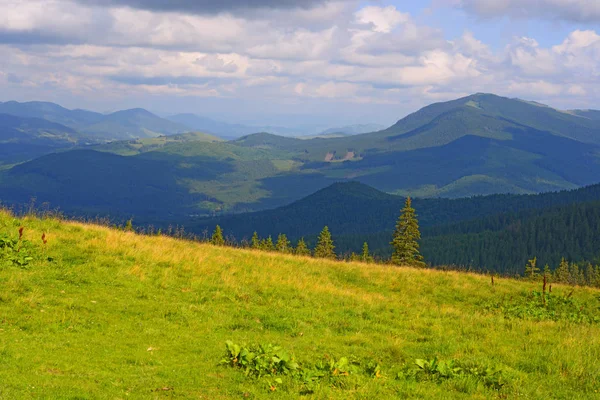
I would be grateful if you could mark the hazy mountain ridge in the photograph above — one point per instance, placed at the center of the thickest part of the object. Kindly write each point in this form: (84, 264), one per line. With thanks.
(124, 124)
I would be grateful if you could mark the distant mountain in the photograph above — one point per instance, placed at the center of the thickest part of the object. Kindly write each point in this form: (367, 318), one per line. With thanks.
(223, 129)
(353, 129)
(591, 114)
(25, 138)
(52, 112)
(135, 123)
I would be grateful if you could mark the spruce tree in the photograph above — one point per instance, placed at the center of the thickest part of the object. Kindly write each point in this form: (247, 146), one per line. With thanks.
(562, 274)
(531, 269)
(302, 249)
(217, 237)
(267, 244)
(366, 257)
(283, 245)
(325, 247)
(255, 241)
(406, 238)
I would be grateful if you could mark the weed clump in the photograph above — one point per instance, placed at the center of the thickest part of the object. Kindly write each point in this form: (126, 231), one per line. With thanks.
(543, 306)
(435, 370)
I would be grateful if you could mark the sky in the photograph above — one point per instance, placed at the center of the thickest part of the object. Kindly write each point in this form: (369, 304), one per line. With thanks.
(294, 62)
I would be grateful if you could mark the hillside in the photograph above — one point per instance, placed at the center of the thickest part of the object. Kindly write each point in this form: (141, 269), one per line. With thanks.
(148, 317)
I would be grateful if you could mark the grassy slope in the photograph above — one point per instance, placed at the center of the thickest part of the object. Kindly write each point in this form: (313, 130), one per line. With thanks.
(118, 315)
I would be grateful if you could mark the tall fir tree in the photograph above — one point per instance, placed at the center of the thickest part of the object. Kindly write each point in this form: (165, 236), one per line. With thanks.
(283, 245)
(301, 248)
(325, 247)
(255, 241)
(406, 238)
(217, 237)
(366, 257)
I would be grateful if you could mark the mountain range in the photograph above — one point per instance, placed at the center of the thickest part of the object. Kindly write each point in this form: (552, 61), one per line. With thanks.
(477, 145)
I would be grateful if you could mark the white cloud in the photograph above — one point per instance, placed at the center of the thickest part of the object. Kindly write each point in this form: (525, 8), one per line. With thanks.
(381, 19)
(377, 54)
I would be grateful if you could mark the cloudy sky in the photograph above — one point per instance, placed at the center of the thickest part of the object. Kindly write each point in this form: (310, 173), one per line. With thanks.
(288, 62)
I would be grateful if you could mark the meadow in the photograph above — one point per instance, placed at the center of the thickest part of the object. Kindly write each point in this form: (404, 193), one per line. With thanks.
(100, 313)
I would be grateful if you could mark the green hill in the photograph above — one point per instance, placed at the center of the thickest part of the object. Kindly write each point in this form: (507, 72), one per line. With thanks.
(101, 313)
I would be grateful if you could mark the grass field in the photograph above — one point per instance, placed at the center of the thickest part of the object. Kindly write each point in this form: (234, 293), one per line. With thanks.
(106, 314)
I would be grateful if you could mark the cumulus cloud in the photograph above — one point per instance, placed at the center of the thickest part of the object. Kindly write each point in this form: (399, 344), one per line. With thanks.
(335, 51)
(205, 6)
(572, 10)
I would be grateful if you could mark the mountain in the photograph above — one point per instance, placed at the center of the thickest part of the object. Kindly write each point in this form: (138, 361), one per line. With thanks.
(26, 138)
(591, 114)
(134, 123)
(226, 130)
(149, 317)
(478, 145)
(353, 129)
(52, 112)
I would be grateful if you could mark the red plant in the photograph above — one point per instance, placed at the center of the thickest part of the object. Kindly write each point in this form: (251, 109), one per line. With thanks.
(44, 238)
(21, 232)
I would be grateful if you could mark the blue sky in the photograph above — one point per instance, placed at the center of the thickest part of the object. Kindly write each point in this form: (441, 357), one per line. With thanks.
(297, 62)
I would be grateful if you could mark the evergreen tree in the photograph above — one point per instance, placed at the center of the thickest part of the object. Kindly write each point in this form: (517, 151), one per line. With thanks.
(255, 241)
(547, 273)
(354, 257)
(590, 275)
(366, 257)
(301, 248)
(531, 269)
(325, 247)
(129, 226)
(267, 244)
(406, 238)
(217, 237)
(561, 275)
(283, 245)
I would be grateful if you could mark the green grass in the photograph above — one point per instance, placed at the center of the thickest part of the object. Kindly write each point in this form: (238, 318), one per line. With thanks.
(116, 315)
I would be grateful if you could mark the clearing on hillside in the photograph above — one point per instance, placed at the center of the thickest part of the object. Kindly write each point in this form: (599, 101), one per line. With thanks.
(90, 312)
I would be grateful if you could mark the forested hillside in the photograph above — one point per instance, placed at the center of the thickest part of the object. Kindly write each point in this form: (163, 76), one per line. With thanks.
(499, 232)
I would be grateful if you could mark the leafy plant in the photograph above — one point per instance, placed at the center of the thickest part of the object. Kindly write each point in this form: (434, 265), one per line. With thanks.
(438, 370)
(260, 360)
(15, 251)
